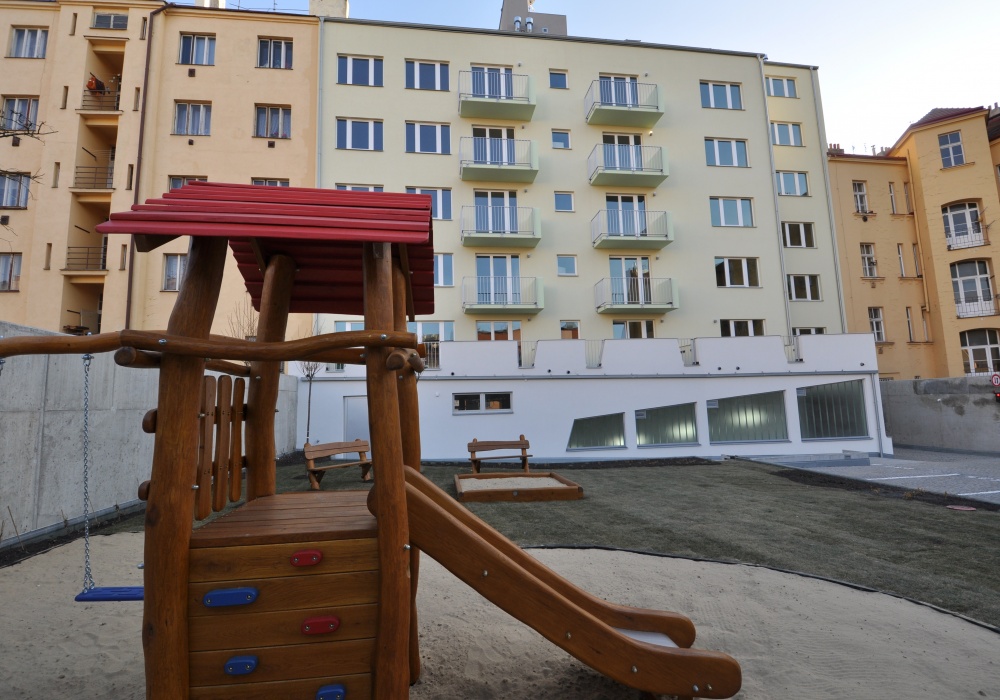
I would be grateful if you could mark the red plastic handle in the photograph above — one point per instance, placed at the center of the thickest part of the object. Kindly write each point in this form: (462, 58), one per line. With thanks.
(320, 625)
(307, 557)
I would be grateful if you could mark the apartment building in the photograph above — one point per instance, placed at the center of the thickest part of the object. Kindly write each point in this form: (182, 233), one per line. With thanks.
(917, 259)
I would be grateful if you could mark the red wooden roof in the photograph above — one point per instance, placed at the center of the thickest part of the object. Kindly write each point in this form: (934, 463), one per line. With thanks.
(322, 230)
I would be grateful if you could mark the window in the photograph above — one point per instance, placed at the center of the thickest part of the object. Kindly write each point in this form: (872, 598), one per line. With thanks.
(432, 334)
(28, 43)
(909, 323)
(428, 138)
(273, 122)
(731, 212)
(803, 287)
(192, 118)
(269, 182)
(721, 96)
(558, 79)
(176, 181)
(808, 330)
(197, 49)
(14, 190)
(360, 188)
(980, 351)
(440, 201)
(421, 75)
(860, 197)
(798, 235)
(834, 410)
(628, 330)
(110, 20)
(906, 196)
(19, 114)
(495, 82)
(726, 152)
(666, 425)
(780, 87)
(481, 403)
(274, 53)
(750, 418)
(621, 90)
(970, 281)
(736, 272)
(341, 327)
(916, 261)
(741, 327)
(783, 134)
(951, 149)
(444, 275)
(358, 70)
(566, 265)
(791, 184)
(359, 134)
(892, 198)
(564, 201)
(961, 225)
(560, 139)
(10, 272)
(876, 324)
(597, 431)
(569, 330)
(495, 211)
(899, 254)
(869, 266)
(174, 266)
(498, 330)
(497, 146)
(498, 280)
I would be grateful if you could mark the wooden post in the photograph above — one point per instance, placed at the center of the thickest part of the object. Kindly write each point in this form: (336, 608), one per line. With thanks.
(170, 507)
(264, 376)
(391, 670)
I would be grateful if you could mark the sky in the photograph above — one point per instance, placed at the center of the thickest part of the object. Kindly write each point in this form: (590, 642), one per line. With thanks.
(882, 63)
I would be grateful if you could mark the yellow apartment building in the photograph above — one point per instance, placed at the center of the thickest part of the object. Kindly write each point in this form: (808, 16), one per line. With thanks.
(917, 259)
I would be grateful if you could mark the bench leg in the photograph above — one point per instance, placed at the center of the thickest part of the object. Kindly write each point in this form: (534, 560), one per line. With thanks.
(314, 479)
(524, 464)
(366, 472)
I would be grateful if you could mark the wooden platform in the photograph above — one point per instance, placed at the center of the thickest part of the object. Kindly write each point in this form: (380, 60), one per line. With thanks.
(569, 491)
(306, 566)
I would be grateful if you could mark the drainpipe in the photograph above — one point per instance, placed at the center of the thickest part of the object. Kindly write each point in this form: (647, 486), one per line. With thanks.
(877, 396)
(920, 251)
(138, 162)
(319, 107)
(818, 106)
(774, 196)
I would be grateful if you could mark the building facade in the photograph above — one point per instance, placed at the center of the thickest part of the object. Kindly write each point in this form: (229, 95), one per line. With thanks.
(914, 225)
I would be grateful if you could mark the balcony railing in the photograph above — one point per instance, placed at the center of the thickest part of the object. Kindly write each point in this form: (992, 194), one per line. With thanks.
(433, 358)
(619, 102)
(101, 100)
(86, 258)
(502, 224)
(967, 236)
(495, 94)
(614, 227)
(971, 308)
(526, 350)
(505, 160)
(622, 164)
(623, 292)
(594, 353)
(94, 177)
(501, 293)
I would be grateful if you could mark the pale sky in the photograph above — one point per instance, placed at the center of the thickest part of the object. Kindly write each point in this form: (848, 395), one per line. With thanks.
(883, 63)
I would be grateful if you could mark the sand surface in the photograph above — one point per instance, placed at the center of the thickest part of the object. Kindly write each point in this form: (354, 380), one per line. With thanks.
(795, 637)
(513, 482)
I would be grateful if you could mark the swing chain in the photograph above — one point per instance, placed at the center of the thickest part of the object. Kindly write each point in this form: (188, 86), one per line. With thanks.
(88, 579)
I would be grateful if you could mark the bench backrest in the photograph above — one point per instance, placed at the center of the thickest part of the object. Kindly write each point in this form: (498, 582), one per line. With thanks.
(489, 445)
(329, 449)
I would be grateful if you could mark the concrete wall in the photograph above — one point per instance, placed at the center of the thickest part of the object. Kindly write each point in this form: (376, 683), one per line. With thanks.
(959, 413)
(41, 441)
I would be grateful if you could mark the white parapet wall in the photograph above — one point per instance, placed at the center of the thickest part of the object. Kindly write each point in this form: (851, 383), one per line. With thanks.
(630, 378)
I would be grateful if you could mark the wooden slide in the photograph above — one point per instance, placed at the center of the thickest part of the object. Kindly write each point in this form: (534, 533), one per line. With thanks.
(644, 649)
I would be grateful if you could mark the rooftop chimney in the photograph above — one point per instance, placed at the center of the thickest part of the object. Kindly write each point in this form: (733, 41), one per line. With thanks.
(213, 4)
(330, 8)
(513, 11)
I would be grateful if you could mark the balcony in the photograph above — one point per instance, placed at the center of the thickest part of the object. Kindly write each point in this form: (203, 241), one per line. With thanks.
(632, 229)
(90, 258)
(629, 295)
(621, 103)
(496, 95)
(971, 306)
(628, 166)
(498, 160)
(491, 226)
(966, 235)
(506, 295)
(101, 100)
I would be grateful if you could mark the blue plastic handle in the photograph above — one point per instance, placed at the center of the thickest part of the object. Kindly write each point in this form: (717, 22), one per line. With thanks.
(227, 597)
(241, 665)
(331, 692)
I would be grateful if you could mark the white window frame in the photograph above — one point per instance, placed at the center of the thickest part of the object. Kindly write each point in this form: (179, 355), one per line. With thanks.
(349, 134)
(349, 72)
(708, 91)
(115, 20)
(483, 405)
(909, 323)
(21, 47)
(177, 181)
(906, 196)
(869, 263)
(439, 84)
(876, 323)
(444, 270)
(564, 74)
(177, 261)
(973, 224)
(786, 134)
(560, 147)
(809, 330)
(270, 182)
(892, 198)
(860, 189)
(805, 233)
(277, 122)
(442, 138)
(979, 301)
(792, 184)
(735, 325)
(514, 328)
(438, 196)
(916, 261)
(742, 203)
(283, 60)
(555, 201)
(10, 272)
(991, 352)
(748, 268)
(787, 88)
(563, 328)
(647, 329)
(952, 153)
(20, 113)
(713, 155)
(574, 273)
(902, 265)
(201, 51)
(810, 288)
(14, 190)
(198, 126)
(352, 187)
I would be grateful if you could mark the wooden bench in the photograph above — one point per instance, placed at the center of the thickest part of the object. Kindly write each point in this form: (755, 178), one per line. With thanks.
(331, 449)
(511, 445)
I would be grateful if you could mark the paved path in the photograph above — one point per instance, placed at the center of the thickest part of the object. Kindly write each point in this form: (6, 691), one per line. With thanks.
(968, 475)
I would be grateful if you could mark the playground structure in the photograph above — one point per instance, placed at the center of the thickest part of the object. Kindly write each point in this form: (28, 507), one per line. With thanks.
(312, 595)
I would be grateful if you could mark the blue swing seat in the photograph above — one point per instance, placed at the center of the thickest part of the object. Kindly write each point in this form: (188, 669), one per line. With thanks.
(111, 593)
